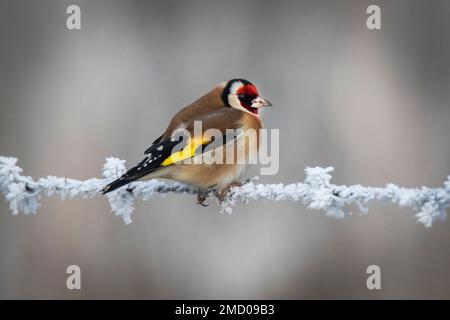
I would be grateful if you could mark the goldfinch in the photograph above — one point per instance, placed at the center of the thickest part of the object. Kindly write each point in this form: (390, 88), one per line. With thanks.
(231, 106)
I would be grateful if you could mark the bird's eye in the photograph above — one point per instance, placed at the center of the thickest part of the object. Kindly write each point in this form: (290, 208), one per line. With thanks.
(241, 97)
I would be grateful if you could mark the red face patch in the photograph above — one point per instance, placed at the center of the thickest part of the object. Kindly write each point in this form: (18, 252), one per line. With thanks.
(248, 89)
(246, 94)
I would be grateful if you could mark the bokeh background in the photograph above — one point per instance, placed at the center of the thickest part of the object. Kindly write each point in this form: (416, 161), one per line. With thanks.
(373, 104)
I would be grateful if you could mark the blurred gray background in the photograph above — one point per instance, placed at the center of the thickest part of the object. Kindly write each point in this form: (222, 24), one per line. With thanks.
(373, 104)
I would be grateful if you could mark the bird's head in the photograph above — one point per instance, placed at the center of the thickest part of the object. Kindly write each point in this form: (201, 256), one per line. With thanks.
(243, 95)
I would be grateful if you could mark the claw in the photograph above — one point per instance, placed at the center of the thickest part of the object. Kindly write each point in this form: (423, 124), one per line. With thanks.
(223, 193)
(201, 199)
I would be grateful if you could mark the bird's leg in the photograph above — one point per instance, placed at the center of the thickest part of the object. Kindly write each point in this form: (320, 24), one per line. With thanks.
(223, 193)
(201, 199)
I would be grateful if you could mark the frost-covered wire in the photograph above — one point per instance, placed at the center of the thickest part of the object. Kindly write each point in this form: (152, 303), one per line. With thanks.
(316, 192)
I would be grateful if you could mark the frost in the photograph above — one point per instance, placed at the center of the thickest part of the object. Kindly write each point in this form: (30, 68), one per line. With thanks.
(316, 192)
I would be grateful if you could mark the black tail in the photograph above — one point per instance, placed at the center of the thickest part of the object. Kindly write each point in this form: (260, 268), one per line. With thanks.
(116, 184)
(143, 168)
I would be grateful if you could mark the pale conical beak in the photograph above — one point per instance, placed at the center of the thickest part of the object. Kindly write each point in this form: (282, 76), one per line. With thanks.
(266, 103)
(260, 102)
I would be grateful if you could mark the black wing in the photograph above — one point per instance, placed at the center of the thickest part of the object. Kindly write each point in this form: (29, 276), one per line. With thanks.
(158, 140)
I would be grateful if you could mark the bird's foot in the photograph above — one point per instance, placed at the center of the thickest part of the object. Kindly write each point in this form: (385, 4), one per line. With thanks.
(224, 192)
(201, 199)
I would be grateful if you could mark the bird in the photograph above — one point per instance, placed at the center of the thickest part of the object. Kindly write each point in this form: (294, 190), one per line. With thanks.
(232, 106)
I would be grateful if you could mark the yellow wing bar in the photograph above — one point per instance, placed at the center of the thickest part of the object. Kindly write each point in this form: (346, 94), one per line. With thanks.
(187, 152)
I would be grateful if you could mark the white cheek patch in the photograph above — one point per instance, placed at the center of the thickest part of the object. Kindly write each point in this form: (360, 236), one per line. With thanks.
(234, 101)
(232, 96)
